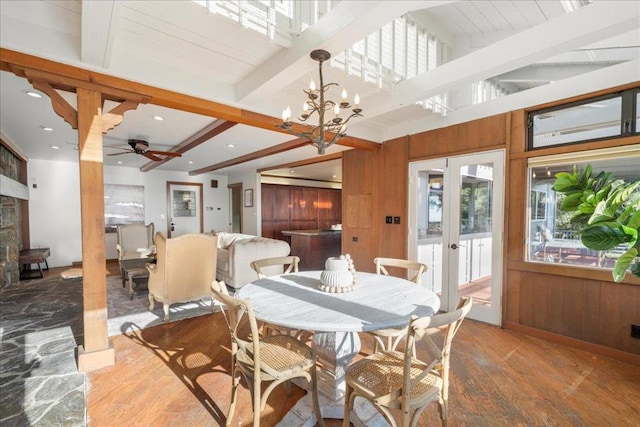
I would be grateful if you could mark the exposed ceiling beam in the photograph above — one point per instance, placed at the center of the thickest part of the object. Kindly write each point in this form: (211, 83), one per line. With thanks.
(545, 73)
(202, 136)
(285, 146)
(589, 24)
(99, 28)
(304, 162)
(346, 24)
(67, 76)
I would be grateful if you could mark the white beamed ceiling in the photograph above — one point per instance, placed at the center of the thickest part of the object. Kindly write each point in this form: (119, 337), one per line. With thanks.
(180, 46)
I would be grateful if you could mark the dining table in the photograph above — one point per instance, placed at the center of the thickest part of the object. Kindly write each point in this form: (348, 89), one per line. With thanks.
(295, 301)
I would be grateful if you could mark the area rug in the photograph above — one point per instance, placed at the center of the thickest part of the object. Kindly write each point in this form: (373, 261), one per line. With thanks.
(126, 314)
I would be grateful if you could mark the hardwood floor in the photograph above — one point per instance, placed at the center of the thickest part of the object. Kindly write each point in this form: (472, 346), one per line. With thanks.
(178, 374)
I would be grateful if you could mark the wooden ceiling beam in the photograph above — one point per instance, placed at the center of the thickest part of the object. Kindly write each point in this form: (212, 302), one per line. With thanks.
(70, 84)
(285, 146)
(122, 89)
(203, 135)
(309, 161)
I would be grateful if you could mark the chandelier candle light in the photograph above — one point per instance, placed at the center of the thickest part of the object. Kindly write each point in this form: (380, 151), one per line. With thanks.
(317, 104)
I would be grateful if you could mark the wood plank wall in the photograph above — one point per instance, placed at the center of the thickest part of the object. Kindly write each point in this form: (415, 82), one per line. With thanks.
(575, 306)
(361, 223)
(291, 207)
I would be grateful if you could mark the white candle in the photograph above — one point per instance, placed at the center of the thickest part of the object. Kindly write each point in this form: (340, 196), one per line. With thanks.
(312, 85)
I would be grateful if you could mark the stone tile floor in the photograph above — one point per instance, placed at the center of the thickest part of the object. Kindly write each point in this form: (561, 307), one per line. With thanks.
(40, 329)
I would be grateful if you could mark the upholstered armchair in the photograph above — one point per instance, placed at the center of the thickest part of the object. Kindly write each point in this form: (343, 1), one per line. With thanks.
(184, 270)
(133, 241)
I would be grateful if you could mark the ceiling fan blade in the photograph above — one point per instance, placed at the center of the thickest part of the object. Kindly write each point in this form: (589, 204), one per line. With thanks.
(165, 153)
(117, 154)
(150, 156)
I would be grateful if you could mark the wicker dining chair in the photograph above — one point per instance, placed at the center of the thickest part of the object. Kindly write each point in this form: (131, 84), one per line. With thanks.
(276, 358)
(388, 339)
(270, 267)
(395, 380)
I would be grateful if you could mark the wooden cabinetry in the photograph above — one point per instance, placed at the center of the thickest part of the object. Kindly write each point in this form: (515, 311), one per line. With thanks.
(289, 207)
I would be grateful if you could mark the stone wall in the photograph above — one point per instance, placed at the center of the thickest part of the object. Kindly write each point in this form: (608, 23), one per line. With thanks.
(10, 222)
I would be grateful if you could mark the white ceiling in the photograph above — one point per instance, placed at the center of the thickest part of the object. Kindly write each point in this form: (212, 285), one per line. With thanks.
(178, 45)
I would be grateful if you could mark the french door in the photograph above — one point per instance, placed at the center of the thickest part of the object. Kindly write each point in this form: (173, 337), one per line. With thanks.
(184, 208)
(456, 227)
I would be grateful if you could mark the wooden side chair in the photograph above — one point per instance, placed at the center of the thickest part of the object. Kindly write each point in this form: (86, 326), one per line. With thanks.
(271, 267)
(395, 380)
(388, 339)
(276, 358)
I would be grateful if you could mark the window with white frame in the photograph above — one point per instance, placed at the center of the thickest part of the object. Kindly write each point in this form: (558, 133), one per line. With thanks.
(552, 238)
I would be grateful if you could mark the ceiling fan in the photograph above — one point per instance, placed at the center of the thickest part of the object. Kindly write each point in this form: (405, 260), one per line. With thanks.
(140, 146)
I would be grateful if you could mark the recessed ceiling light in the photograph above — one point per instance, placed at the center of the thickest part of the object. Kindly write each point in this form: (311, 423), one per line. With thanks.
(230, 145)
(292, 171)
(54, 147)
(33, 94)
(48, 129)
(335, 176)
(190, 162)
(119, 162)
(158, 118)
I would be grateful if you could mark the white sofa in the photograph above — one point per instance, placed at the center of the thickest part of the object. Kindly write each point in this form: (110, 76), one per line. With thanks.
(236, 252)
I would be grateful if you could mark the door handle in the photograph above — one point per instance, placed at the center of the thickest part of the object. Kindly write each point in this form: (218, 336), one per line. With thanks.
(453, 246)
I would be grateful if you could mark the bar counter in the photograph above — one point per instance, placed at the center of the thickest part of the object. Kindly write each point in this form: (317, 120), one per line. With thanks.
(314, 246)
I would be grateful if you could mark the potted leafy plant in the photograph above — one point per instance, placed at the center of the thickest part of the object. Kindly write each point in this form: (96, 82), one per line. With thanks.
(607, 214)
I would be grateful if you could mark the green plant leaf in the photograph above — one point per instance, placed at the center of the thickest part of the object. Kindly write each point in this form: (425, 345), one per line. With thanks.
(586, 174)
(563, 185)
(600, 214)
(601, 238)
(634, 221)
(635, 268)
(603, 194)
(623, 263)
(630, 232)
(571, 202)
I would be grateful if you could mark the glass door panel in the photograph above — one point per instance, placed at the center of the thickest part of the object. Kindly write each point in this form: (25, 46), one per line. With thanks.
(456, 211)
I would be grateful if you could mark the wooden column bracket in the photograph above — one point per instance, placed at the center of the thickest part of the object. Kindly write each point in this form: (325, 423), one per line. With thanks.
(60, 105)
(115, 116)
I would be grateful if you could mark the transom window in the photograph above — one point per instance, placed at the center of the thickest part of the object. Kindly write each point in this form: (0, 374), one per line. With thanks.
(607, 117)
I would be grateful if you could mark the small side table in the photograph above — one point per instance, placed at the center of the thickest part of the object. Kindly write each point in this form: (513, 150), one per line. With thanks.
(135, 269)
(33, 256)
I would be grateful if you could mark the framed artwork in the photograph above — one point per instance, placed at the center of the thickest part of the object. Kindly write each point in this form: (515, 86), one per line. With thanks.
(123, 204)
(248, 198)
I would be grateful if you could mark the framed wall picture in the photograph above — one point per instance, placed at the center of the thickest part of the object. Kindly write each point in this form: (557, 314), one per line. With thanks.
(248, 198)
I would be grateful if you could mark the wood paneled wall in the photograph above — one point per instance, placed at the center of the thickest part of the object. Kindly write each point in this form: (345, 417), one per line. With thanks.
(580, 307)
(361, 219)
(290, 207)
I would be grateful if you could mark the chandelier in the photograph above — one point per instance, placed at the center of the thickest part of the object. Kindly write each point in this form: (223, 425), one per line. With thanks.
(333, 128)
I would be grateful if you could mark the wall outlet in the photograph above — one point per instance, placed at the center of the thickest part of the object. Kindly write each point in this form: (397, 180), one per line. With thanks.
(635, 331)
(354, 239)
(396, 220)
(387, 219)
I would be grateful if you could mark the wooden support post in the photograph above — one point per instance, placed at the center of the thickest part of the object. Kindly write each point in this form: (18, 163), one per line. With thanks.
(97, 351)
